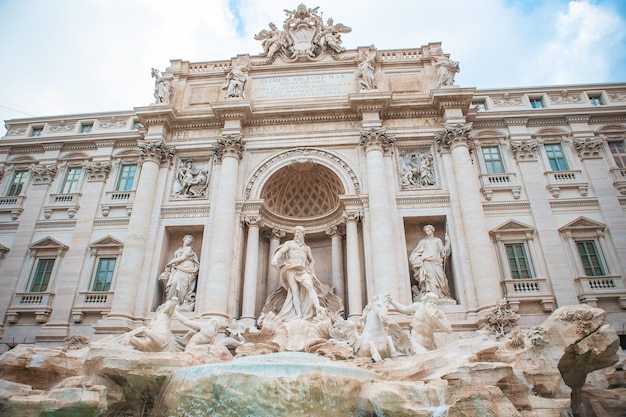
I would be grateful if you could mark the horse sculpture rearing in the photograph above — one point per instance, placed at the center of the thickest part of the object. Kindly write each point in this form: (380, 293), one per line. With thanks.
(378, 338)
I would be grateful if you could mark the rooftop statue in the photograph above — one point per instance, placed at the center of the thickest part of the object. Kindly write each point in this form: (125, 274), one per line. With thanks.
(236, 79)
(162, 86)
(304, 36)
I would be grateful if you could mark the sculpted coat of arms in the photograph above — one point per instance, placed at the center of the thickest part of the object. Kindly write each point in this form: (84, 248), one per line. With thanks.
(304, 36)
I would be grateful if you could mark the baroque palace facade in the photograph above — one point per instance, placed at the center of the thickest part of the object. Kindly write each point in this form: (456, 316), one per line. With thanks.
(362, 148)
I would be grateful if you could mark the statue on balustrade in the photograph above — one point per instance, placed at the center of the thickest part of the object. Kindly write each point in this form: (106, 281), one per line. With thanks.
(427, 263)
(162, 86)
(366, 74)
(446, 70)
(181, 274)
(426, 319)
(236, 79)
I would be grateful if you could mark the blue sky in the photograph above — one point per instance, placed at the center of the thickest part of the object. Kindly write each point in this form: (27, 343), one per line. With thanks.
(80, 56)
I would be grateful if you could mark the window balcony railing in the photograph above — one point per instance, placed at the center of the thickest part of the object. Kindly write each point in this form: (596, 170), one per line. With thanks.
(519, 291)
(558, 180)
(12, 204)
(117, 199)
(619, 179)
(499, 182)
(92, 302)
(61, 202)
(37, 303)
(591, 289)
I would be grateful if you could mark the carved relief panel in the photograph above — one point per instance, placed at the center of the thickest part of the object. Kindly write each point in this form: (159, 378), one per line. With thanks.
(191, 179)
(416, 168)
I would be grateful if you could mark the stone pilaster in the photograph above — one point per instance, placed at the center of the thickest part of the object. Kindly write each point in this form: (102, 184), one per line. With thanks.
(216, 287)
(483, 262)
(153, 154)
(375, 141)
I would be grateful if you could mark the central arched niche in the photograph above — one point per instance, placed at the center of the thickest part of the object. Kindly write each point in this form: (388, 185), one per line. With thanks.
(303, 192)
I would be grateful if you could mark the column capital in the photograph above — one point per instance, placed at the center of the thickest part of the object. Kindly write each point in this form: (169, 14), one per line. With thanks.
(253, 220)
(97, 171)
(453, 136)
(229, 146)
(334, 231)
(376, 138)
(527, 150)
(157, 151)
(275, 233)
(589, 148)
(352, 216)
(43, 174)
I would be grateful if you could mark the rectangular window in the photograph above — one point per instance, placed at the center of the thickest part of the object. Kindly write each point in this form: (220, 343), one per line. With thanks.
(41, 277)
(104, 274)
(536, 103)
(86, 128)
(590, 258)
(518, 261)
(556, 157)
(619, 153)
(493, 161)
(480, 105)
(17, 183)
(596, 100)
(36, 131)
(126, 178)
(70, 183)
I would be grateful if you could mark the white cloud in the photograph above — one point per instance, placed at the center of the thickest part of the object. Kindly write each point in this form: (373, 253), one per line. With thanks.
(69, 56)
(587, 39)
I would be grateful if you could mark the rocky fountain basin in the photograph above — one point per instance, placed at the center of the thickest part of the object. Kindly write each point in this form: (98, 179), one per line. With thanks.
(277, 384)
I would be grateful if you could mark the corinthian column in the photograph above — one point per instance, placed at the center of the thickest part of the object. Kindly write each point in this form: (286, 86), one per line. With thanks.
(483, 261)
(375, 141)
(273, 280)
(251, 272)
(216, 286)
(337, 261)
(353, 265)
(131, 267)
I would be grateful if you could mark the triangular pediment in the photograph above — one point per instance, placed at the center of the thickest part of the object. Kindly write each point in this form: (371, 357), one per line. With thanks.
(513, 226)
(107, 242)
(583, 224)
(48, 243)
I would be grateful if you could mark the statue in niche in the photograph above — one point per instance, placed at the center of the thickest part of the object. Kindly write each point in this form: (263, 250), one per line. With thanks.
(426, 319)
(192, 182)
(180, 276)
(236, 79)
(162, 86)
(427, 263)
(416, 169)
(366, 74)
(297, 276)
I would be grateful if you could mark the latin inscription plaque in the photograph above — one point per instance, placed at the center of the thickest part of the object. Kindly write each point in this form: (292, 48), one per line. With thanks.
(302, 86)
